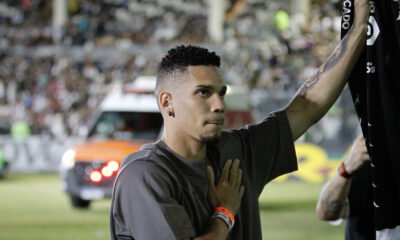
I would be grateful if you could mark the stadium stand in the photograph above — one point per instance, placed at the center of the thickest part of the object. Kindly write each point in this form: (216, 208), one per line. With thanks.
(55, 82)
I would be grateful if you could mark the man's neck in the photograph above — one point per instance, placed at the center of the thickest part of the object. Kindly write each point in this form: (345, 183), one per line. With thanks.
(187, 147)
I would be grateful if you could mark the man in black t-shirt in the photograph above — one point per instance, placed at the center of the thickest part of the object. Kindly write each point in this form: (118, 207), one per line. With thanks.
(167, 190)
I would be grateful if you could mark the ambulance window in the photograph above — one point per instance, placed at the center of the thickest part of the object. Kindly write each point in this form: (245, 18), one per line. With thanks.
(128, 125)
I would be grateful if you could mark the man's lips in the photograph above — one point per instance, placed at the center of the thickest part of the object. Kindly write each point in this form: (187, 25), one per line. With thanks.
(215, 121)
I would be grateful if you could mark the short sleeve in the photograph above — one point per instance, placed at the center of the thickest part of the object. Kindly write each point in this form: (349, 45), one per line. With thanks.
(266, 149)
(144, 207)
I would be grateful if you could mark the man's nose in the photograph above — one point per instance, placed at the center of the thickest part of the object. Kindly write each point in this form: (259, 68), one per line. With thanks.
(218, 104)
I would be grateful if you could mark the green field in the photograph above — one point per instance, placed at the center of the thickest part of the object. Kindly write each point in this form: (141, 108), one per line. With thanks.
(33, 207)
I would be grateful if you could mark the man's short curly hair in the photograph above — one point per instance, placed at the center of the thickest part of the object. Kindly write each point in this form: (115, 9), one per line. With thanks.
(179, 58)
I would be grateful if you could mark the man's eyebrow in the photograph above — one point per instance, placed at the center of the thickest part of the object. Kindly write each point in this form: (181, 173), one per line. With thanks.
(205, 86)
(224, 88)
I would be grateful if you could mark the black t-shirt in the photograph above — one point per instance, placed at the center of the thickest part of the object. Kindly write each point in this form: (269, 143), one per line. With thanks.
(160, 195)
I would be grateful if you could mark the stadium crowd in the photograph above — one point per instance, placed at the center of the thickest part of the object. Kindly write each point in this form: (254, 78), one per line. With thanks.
(54, 80)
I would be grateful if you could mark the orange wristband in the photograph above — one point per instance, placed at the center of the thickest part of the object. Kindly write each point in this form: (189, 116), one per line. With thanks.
(343, 172)
(227, 212)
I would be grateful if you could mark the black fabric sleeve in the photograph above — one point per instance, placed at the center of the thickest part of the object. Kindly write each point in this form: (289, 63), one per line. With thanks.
(144, 206)
(266, 149)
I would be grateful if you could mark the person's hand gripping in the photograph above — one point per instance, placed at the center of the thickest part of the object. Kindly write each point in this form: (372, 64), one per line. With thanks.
(358, 155)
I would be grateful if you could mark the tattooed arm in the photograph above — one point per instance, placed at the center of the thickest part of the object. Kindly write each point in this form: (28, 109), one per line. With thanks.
(318, 94)
(332, 201)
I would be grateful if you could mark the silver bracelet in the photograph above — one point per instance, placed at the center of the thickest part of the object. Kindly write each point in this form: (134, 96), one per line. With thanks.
(224, 218)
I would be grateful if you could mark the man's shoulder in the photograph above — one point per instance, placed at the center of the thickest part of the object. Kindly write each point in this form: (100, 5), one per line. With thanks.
(144, 168)
(144, 160)
(145, 152)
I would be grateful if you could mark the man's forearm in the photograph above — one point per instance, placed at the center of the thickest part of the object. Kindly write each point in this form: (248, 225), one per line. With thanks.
(324, 87)
(318, 94)
(332, 201)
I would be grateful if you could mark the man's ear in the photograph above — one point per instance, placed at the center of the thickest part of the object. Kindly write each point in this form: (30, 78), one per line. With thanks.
(165, 100)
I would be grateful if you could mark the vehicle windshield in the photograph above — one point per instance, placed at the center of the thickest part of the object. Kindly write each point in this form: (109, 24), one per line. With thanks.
(127, 125)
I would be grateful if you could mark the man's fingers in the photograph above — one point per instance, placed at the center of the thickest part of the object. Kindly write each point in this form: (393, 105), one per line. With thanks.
(364, 149)
(363, 145)
(225, 171)
(233, 172)
(366, 157)
(239, 178)
(364, 152)
(241, 191)
(360, 138)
